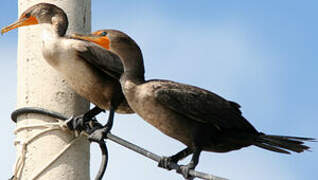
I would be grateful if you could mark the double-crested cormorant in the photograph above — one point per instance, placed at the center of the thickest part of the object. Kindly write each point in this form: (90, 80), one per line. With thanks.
(91, 71)
(200, 119)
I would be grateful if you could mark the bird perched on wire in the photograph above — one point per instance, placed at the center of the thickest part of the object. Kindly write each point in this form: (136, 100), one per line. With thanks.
(90, 70)
(200, 119)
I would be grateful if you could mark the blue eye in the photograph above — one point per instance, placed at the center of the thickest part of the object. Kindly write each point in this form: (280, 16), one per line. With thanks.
(27, 15)
(103, 33)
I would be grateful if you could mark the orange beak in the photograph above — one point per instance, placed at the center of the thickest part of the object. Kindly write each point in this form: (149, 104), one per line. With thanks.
(19, 23)
(100, 40)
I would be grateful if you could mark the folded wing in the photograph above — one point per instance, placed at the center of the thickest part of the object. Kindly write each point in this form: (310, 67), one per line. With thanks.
(202, 106)
(102, 59)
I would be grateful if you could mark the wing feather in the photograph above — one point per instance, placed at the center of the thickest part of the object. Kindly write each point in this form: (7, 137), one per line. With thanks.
(101, 58)
(202, 106)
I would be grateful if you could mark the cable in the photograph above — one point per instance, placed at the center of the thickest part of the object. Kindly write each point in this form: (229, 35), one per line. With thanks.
(115, 139)
(20, 160)
(17, 112)
(104, 162)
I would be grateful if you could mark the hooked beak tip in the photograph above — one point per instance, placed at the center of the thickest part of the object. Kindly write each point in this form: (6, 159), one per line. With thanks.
(75, 35)
(10, 27)
(19, 23)
(3, 30)
(92, 38)
(81, 36)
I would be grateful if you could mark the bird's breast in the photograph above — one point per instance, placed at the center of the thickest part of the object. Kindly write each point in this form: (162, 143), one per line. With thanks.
(83, 78)
(143, 102)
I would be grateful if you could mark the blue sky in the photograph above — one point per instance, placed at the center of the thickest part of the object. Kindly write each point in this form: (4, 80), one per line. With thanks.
(262, 55)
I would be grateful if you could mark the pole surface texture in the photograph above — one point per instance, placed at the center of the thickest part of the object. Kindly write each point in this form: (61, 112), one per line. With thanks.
(39, 85)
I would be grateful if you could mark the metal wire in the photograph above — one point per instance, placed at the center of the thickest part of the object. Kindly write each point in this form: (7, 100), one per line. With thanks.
(157, 158)
(115, 139)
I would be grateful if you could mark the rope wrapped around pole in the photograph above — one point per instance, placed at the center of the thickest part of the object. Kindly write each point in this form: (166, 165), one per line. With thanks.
(115, 139)
(102, 145)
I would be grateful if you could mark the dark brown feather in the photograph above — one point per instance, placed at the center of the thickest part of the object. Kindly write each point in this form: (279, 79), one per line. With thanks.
(202, 106)
(286, 142)
(102, 59)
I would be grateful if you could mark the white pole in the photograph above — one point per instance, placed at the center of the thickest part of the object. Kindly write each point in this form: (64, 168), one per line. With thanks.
(39, 85)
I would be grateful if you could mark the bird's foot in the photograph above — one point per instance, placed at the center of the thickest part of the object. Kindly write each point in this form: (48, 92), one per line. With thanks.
(77, 122)
(166, 162)
(185, 169)
(98, 135)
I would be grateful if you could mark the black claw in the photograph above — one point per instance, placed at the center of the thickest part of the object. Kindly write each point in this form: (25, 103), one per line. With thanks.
(69, 123)
(83, 122)
(77, 123)
(184, 170)
(165, 162)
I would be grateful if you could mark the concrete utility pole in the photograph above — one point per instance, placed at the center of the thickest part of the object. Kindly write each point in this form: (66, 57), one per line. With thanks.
(39, 85)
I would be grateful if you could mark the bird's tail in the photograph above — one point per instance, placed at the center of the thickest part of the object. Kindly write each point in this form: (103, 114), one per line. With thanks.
(282, 143)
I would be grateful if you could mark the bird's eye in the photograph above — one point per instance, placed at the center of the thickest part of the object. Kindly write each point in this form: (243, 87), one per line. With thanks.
(103, 33)
(27, 15)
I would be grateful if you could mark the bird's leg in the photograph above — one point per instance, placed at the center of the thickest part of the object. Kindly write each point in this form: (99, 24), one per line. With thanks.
(99, 134)
(79, 122)
(165, 162)
(184, 170)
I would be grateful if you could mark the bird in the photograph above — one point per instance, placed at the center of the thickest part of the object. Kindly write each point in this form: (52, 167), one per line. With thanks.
(84, 65)
(200, 119)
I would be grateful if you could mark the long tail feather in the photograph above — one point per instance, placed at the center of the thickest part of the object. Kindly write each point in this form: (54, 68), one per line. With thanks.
(271, 148)
(292, 138)
(282, 143)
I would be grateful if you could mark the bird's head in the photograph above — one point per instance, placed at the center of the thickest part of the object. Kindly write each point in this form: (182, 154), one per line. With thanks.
(120, 44)
(112, 40)
(41, 13)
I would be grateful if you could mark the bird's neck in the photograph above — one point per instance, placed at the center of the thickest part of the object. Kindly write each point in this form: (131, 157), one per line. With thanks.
(133, 66)
(49, 33)
(57, 27)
